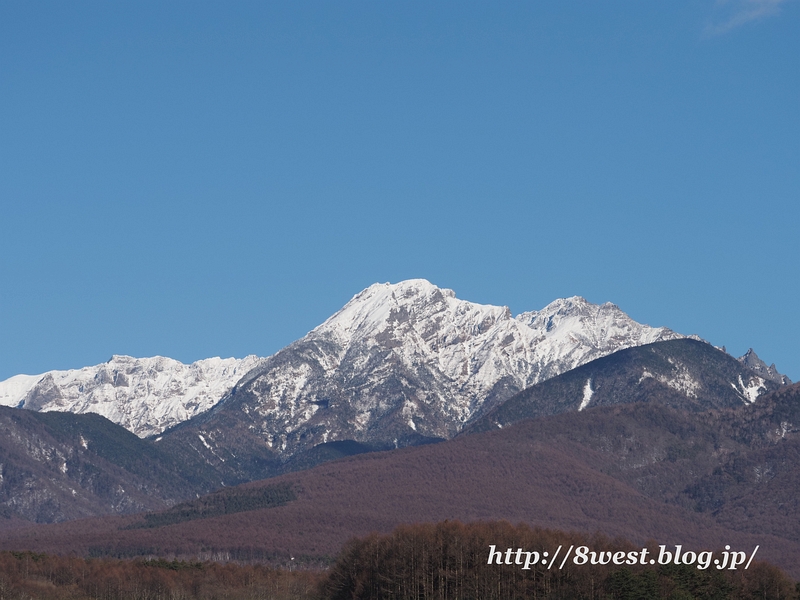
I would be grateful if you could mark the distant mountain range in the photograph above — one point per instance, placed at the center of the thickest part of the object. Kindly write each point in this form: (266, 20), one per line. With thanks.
(400, 365)
(144, 395)
(409, 359)
(410, 353)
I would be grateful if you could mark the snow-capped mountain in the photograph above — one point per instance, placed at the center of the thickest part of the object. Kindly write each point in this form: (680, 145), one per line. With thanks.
(402, 363)
(477, 353)
(397, 364)
(144, 395)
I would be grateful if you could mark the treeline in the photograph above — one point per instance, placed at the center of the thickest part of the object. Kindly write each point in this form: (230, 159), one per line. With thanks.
(449, 561)
(444, 561)
(32, 576)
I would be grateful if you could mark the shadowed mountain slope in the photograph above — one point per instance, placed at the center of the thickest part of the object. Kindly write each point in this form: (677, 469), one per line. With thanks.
(627, 470)
(58, 466)
(685, 374)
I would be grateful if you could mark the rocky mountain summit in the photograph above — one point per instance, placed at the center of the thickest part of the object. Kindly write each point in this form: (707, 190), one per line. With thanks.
(752, 362)
(402, 364)
(416, 355)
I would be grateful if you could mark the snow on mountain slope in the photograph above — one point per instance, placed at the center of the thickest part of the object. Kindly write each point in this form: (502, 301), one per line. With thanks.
(144, 395)
(410, 360)
(13, 390)
(473, 345)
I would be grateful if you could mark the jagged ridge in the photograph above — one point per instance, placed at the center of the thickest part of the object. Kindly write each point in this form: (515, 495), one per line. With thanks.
(144, 395)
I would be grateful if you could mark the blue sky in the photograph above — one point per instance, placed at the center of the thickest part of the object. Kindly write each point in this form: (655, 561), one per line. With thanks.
(197, 179)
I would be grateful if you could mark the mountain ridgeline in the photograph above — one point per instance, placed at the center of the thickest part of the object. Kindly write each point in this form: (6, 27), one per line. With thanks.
(684, 374)
(398, 366)
(144, 395)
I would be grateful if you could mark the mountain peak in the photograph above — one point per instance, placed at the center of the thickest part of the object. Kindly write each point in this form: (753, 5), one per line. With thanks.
(410, 361)
(411, 304)
(751, 360)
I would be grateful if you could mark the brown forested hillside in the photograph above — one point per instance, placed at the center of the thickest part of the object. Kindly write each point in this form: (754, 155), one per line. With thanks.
(618, 470)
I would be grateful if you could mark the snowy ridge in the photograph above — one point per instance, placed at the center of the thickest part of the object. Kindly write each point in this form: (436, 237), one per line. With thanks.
(144, 395)
(476, 345)
(411, 359)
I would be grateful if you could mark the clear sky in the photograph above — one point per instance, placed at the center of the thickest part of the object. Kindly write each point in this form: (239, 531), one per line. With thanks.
(197, 179)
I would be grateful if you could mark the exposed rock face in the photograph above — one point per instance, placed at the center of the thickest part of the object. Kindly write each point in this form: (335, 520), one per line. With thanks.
(752, 362)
